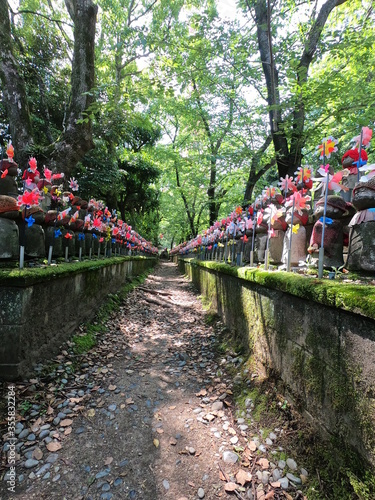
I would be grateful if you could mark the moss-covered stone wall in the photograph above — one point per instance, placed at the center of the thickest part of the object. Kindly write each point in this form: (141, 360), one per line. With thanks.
(40, 308)
(301, 330)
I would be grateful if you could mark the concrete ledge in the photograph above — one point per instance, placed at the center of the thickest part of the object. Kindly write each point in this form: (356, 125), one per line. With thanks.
(40, 310)
(324, 354)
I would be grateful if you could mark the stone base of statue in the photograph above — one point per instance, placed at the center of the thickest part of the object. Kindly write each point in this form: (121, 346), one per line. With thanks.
(35, 241)
(260, 247)
(333, 244)
(276, 247)
(361, 252)
(56, 243)
(9, 239)
(298, 249)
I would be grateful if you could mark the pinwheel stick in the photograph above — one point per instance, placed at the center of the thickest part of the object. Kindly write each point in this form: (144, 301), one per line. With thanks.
(360, 152)
(321, 250)
(291, 236)
(253, 241)
(266, 255)
(23, 240)
(226, 250)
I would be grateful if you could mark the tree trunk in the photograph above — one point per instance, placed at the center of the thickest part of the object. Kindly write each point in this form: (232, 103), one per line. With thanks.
(76, 139)
(288, 154)
(14, 92)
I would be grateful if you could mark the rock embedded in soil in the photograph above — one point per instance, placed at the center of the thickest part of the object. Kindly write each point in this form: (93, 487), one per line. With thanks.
(229, 457)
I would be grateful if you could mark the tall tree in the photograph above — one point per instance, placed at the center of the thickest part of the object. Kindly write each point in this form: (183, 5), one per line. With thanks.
(75, 137)
(287, 124)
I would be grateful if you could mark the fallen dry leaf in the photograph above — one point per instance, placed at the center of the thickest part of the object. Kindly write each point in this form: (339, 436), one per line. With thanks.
(53, 446)
(37, 454)
(230, 487)
(270, 494)
(66, 422)
(159, 431)
(49, 410)
(67, 431)
(171, 407)
(156, 443)
(91, 412)
(129, 401)
(243, 477)
(112, 387)
(264, 463)
(173, 442)
(202, 392)
(276, 484)
(252, 446)
(108, 460)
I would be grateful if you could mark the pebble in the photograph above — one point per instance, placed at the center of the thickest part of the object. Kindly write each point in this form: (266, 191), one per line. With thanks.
(201, 493)
(117, 482)
(56, 478)
(23, 434)
(294, 478)
(276, 475)
(291, 464)
(56, 421)
(106, 487)
(44, 434)
(234, 440)
(284, 483)
(304, 472)
(102, 473)
(106, 496)
(30, 463)
(281, 464)
(43, 469)
(217, 406)
(112, 407)
(52, 458)
(166, 484)
(31, 437)
(229, 457)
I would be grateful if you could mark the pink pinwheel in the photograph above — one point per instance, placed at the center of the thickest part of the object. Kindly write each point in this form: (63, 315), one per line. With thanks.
(97, 223)
(249, 224)
(47, 174)
(32, 163)
(328, 146)
(300, 202)
(366, 136)
(73, 184)
(55, 177)
(272, 213)
(287, 184)
(334, 181)
(28, 198)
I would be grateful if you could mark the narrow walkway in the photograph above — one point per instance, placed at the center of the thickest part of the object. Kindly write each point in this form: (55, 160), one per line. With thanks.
(147, 416)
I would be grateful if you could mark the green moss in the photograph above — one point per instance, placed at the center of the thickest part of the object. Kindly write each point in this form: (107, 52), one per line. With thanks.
(350, 297)
(30, 276)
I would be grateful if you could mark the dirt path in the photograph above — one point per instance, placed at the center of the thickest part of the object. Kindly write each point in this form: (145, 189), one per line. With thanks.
(148, 414)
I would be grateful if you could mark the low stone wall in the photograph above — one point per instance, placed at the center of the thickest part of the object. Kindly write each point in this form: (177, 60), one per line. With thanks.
(324, 355)
(38, 312)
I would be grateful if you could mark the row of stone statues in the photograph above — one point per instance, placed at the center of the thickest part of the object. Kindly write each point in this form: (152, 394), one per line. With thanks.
(285, 226)
(47, 221)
